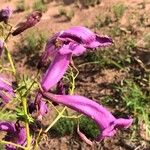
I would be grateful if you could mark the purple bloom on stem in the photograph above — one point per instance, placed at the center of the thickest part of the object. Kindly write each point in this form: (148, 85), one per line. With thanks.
(6, 90)
(5, 14)
(105, 121)
(15, 134)
(66, 44)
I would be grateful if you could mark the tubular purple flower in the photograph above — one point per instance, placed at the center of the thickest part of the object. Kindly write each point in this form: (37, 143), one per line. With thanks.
(55, 71)
(5, 14)
(6, 90)
(66, 44)
(79, 35)
(15, 134)
(105, 121)
(85, 37)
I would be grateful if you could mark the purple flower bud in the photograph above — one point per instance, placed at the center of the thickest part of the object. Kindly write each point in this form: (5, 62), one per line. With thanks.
(5, 14)
(31, 20)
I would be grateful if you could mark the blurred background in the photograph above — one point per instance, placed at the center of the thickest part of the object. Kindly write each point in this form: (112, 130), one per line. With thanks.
(117, 77)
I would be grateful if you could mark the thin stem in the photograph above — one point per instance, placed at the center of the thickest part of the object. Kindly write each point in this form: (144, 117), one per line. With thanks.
(34, 81)
(6, 69)
(8, 33)
(10, 60)
(37, 139)
(88, 63)
(56, 119)
(24, 103)
(72, 117)
(13, 144)
(2, 33)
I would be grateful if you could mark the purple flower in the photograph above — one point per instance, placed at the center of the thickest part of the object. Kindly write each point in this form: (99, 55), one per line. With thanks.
(55, 71)
(105, 121)
(64, 45)
(43, 109)
(6, 90)
(31, 20)
(39, 105)
(5, 14)
(15, 134)
(1, 46)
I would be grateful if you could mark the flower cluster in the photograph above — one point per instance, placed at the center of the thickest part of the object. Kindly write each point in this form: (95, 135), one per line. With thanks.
(60, 48)
(75, 41)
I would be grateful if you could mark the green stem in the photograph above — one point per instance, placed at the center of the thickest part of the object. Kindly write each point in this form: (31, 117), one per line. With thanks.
(11, 61)
(13, 144)
(6, 69)
(24, 102)
(8, 33)
(72, 117)
(56, 119)
(37, 139)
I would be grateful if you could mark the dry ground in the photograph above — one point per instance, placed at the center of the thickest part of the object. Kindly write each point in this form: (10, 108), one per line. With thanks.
(50, 24)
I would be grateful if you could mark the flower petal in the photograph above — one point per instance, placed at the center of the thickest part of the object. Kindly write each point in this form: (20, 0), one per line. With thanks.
(100, 41)
(72, 48)
(4, 85)
(6, 90)
(6, 97)
(106, 122)
(21, 138)
(7, 126)
(51, 49)
(43, 109)
(84, 36)
(55, 71)
(79, 34)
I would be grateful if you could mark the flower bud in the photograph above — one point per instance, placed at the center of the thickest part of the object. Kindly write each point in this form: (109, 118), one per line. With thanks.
(31, 20)
(5, 14)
